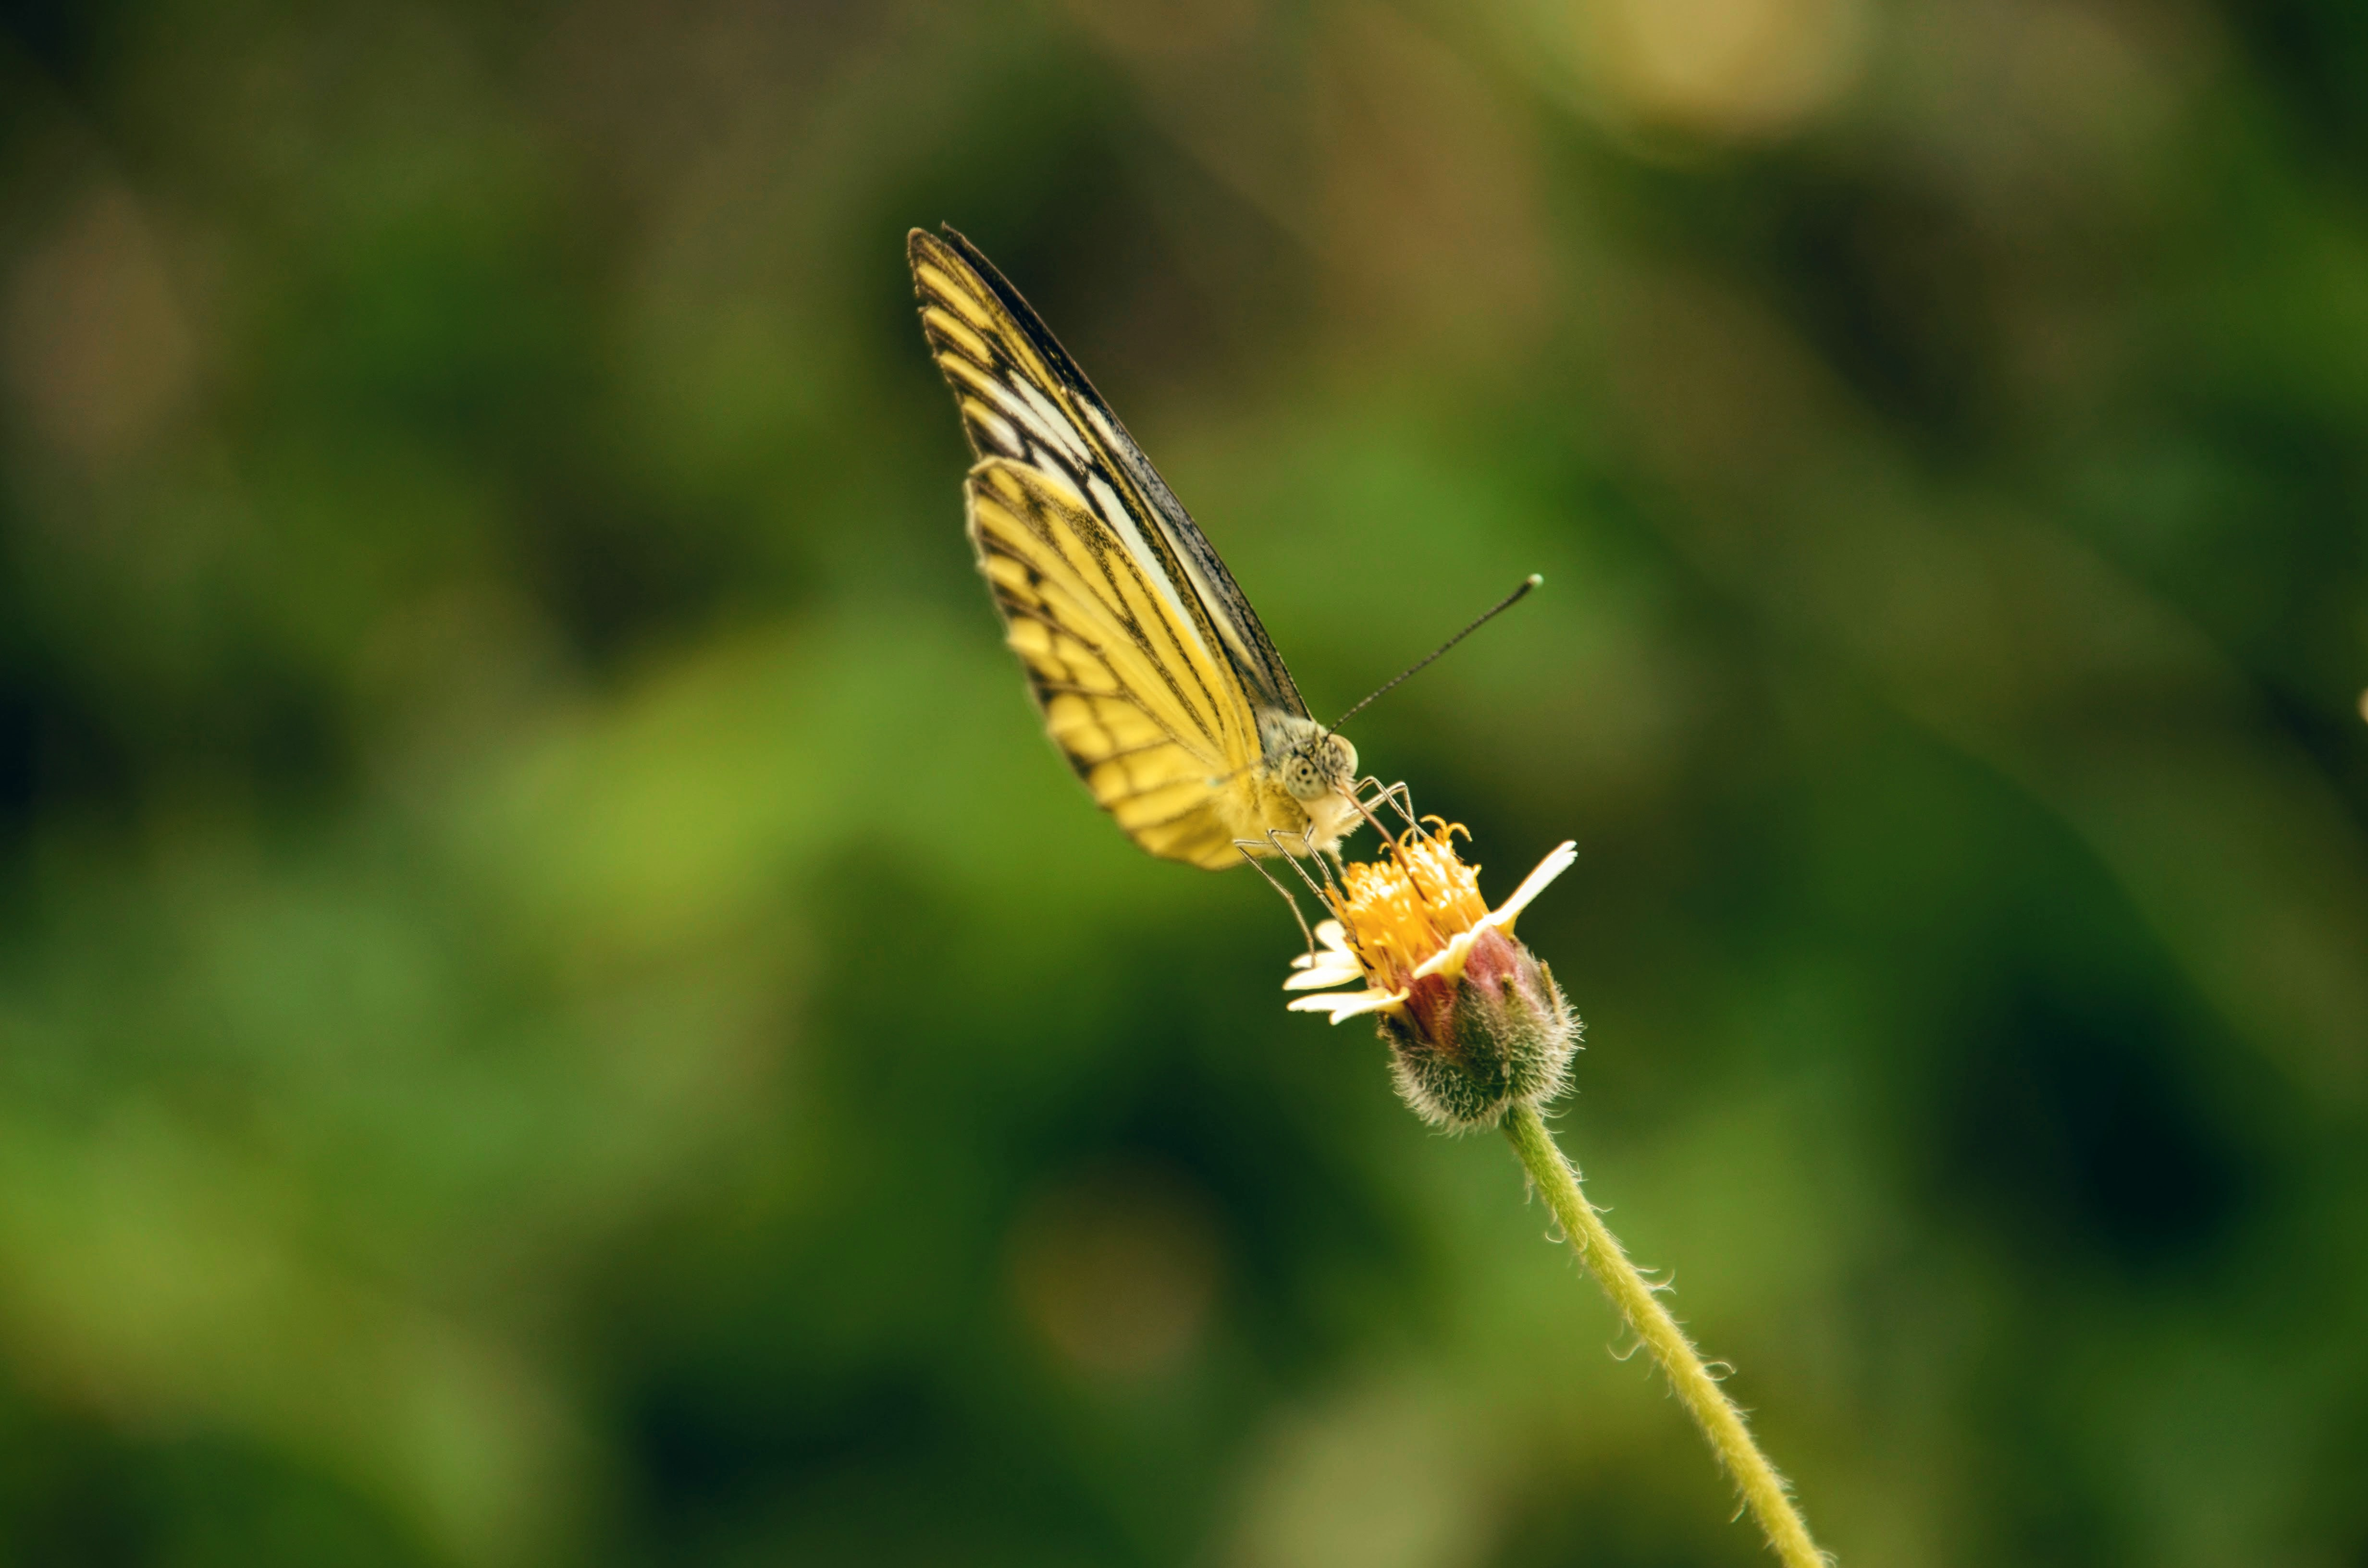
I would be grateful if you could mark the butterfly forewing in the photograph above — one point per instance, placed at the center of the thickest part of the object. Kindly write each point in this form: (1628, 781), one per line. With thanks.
(1022, 397)
(1154, 677)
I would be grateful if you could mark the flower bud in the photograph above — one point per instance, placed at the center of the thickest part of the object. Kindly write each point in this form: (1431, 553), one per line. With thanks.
(1501, 1034)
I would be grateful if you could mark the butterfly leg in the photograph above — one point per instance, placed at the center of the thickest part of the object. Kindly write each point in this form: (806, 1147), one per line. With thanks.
(1244, 847)
(1399, 798)
(1304, 856)
(1332, 869)
(1330, 892)
(1395, 796)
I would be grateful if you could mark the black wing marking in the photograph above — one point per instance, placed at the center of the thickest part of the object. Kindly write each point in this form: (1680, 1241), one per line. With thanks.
(1023, 397)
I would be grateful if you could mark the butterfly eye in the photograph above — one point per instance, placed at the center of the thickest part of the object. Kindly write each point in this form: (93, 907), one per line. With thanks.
(1300, 777)
(1344, 756)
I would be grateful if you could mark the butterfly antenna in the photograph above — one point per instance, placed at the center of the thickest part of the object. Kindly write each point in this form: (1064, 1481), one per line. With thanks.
(1499, 608)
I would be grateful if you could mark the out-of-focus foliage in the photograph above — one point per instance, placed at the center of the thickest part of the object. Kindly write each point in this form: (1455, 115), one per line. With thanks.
(554, 1005)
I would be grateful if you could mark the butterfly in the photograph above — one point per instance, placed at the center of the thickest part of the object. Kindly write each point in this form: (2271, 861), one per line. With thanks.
(1151, 670)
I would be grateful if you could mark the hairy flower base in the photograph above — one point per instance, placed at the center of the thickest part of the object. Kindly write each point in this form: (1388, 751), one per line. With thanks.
(1502, 1035)
(1474, 1021)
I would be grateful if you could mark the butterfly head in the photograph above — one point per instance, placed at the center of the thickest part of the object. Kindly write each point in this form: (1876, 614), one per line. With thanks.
(1318, 763)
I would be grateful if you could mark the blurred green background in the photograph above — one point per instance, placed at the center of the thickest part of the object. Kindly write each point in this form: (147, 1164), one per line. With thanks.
(556, 1007)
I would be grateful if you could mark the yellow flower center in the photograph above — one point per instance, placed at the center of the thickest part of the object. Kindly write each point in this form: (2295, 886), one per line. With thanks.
(1401, 911)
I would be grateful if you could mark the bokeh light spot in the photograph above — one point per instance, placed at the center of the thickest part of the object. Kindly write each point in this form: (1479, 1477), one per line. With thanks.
(1728, 68)
(1117, 1271)
(96, 349)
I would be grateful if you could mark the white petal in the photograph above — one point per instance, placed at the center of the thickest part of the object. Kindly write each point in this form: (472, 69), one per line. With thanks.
(1341, 1006)
(1325, 972)
(1553, 866)
(1333, 964)
(1450, 959)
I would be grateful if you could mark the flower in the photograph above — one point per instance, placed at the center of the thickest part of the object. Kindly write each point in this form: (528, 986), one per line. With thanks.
(1474, 1020)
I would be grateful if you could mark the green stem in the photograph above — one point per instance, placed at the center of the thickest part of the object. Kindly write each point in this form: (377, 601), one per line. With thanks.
(1715, 1413)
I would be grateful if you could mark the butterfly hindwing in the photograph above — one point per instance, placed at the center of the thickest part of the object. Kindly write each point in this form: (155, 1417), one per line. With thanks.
(1138, 708)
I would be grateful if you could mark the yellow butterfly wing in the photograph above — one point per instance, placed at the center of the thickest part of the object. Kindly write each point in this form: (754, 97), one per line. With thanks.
(1154, 677)
(1138, 709)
